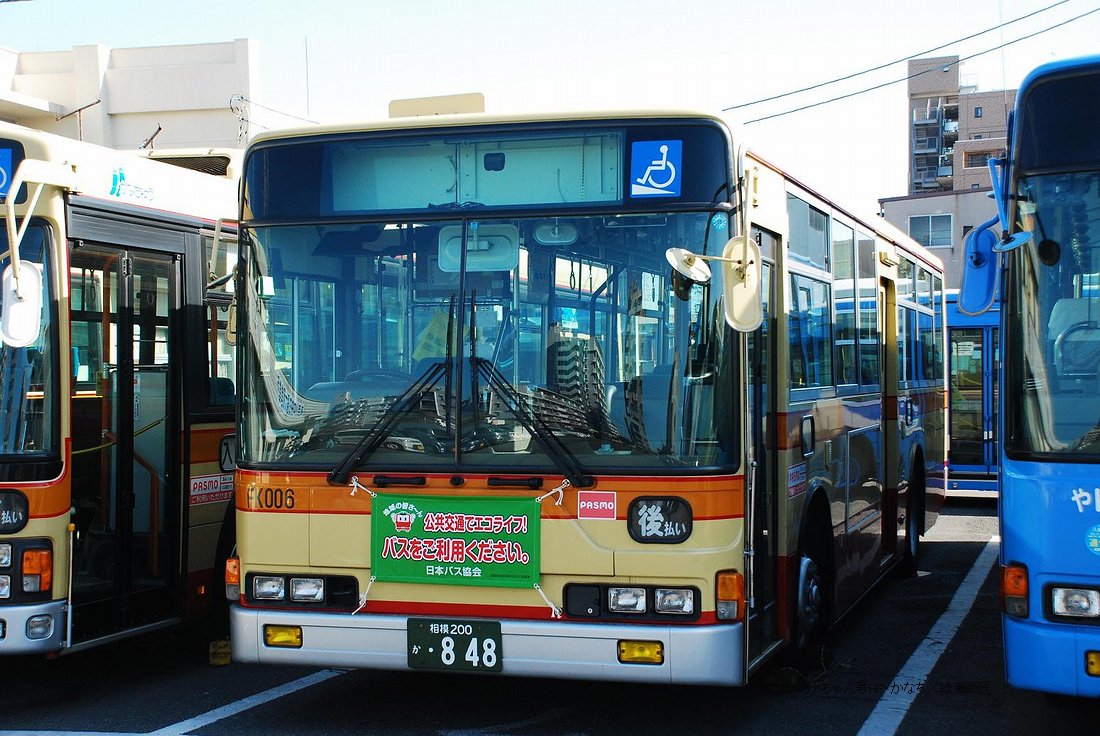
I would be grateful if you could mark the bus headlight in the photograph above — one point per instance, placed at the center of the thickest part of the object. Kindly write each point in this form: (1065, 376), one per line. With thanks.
(5, 586)
(1076, 602)
(626, 600)
(269, 587)
(674, 600)
(5, 555)
(307, 590)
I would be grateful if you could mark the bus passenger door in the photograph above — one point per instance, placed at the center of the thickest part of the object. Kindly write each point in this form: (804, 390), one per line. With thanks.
(763, 616)
(891, 445)
(124, 465)
(973, 398)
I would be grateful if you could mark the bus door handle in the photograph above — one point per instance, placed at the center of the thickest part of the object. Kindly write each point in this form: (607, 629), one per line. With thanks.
(807, 437)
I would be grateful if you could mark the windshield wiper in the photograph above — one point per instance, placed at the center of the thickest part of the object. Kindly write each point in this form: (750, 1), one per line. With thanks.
(555, 449)
(404, 404)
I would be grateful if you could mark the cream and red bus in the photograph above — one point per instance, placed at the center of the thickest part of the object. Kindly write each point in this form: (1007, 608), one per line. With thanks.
(598, 396)
(117, 392)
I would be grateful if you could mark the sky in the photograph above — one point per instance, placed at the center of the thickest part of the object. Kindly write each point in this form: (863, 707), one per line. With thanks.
(333, 60)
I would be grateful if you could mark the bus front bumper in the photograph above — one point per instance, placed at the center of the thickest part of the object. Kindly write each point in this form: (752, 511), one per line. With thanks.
(699, 655)
(1050, 657)
(19, 623)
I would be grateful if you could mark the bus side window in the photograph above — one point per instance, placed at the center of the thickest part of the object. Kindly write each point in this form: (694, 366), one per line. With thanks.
(221, 358)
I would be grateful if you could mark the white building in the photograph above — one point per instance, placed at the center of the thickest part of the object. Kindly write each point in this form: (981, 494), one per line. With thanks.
(120, 97)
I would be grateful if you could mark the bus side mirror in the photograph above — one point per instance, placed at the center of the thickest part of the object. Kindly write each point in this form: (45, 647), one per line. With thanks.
(21, 320)
(981, 266)
(740, 261)
(741, 284)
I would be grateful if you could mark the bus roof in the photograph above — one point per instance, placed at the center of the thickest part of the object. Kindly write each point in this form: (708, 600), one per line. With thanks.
(1052, 94)
(130, 177)
(874, 222)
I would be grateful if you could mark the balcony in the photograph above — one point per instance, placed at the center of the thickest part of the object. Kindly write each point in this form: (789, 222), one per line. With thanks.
(950, 132)
(927, 116)
(929, 144)
(926, 178)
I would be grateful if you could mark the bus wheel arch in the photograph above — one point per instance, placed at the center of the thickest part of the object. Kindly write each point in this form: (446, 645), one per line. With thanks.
(227, 546)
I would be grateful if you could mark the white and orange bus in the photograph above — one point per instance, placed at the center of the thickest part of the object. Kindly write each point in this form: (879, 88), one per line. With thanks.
(117, 392)
(594, 396)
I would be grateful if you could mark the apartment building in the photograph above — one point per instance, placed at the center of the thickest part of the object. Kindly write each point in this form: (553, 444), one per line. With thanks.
(953, 132)
(953, 129)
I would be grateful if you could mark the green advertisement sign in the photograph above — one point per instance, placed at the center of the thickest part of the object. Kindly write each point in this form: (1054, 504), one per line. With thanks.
(450, 540)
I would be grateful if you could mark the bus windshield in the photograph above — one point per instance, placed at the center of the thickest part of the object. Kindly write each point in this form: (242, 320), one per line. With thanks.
(1053, 321)
(571, 332)
(28, 427)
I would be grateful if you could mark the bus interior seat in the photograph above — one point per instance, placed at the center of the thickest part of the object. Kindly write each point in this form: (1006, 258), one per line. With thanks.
(222, 391)
(1074, 327)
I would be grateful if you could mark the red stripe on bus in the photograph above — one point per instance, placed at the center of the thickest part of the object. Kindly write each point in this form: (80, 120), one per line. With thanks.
(711, 498)
(525, 613)
(206, 443)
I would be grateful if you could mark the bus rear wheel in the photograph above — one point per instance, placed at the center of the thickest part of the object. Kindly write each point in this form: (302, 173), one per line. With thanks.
(810, 601)
(813, 599)
(914, 523)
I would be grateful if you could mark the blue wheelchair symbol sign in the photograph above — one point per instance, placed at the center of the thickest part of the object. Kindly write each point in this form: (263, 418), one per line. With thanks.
(655, 168)
(6, 172)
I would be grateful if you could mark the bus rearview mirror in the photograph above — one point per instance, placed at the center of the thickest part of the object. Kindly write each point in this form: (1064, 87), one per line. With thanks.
(741, 284)
(21, 320)
(981, 268)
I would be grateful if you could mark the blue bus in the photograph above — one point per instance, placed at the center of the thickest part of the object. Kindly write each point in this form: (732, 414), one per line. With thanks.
(1042, 253)
(972, 354)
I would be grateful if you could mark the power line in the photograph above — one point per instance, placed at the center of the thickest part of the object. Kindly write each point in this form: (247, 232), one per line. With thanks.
(891, 63)
(926, 71)
(242, 98)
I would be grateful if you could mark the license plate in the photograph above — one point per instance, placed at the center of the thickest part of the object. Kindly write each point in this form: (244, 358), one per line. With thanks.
(454, 644)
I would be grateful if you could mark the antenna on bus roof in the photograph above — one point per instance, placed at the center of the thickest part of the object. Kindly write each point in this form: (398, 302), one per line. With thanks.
(412, 107)
(148, 142)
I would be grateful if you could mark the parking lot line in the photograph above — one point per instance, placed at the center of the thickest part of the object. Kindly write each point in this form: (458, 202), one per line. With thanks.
(232, 709)
(892, 707)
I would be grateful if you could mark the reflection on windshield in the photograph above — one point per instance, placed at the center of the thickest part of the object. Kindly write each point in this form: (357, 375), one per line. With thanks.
(28, 389)
(543, 345)
(1053, 323)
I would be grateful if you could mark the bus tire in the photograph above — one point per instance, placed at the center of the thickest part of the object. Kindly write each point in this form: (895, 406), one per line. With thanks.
(914, 522)
(813, 595)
